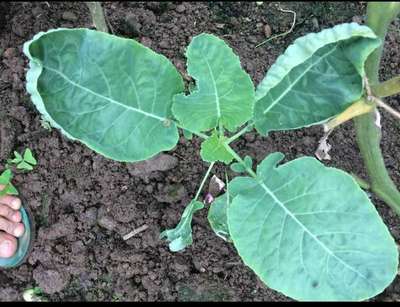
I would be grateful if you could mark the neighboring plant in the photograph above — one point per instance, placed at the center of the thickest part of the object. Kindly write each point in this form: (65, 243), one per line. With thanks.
(5, 180)
(34, 295)
(307, 230)
(25, 162)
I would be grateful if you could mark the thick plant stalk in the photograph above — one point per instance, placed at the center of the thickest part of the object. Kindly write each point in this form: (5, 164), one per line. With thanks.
(379, 17)
(96, 11)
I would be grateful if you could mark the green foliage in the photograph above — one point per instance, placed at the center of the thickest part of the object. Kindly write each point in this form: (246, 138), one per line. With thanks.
(217, 217)
(224, 93)
(213, 149)
(316, 78)
(25, 162)
(113, 94)
(301, 226)
(5, 180)
(306, 224)
(181, 235)
(239, 168)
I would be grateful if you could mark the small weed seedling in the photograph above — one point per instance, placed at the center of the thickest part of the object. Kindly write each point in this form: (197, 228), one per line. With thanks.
(25, 162)
(33, 295)
(306, 230)
(5, 180)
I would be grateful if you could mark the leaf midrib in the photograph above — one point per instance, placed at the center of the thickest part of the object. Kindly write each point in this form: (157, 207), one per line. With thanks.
(217, 102)
(289, 88)
(104, 97)
(305, 229)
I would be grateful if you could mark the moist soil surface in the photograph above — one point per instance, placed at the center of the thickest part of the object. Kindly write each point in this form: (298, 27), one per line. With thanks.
(83, 204)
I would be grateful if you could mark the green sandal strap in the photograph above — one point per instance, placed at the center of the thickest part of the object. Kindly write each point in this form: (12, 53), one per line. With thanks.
(24, 243)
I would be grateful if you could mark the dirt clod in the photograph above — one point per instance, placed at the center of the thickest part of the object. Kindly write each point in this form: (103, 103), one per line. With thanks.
(50, 281)
(161, 162)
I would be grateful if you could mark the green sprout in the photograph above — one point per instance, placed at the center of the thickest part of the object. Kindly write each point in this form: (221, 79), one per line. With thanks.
(25, 162)
(5, 179)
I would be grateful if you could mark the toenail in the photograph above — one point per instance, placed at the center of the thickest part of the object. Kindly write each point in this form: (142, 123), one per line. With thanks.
(5, 247)
(18, 230)
(16, 203)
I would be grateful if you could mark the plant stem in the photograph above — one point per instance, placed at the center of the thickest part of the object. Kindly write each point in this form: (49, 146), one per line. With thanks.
(98, 18)
(388, 88)
(248, 127)
(204, 181)
(379, 17)
(240, 160)
(202, 135)
(388, 108)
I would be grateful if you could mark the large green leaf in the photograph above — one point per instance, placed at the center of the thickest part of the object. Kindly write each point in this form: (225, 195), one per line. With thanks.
(317, 77)
(112, 94)
(310, 232)
(224, 92)
(181, 236)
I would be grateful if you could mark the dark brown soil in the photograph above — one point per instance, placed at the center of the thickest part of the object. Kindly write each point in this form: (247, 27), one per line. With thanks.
(83, 203)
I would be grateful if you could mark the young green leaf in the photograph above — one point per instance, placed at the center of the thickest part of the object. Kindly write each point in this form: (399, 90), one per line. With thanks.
(17, 158)
(181, 236)
(111, 93)
(310, 232)
(317, 77)
(5, 177)
(217, 217)
(5, 180)
(224, 92)
(239, 168)
(9, 190)
(213, 149)
(25, 166)
(28, 157)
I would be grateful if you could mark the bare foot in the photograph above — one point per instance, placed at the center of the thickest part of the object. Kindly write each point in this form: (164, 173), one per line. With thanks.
(10, 224)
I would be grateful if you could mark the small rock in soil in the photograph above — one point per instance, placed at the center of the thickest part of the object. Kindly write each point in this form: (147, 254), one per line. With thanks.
(69, 16)
(18, 29)
(250, 137)
(315, 23)
(132, 25)
(107, 222)
(164, 44)
(90, 216)
(161, 162)
(36, 11)
(50, 281)
(267, 31)
(124, 213)
(357, 19)
(180, 8)
(146, 41)
(10, 53)
(157, 7)
(252, 39)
